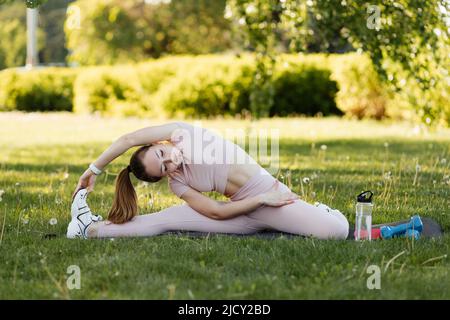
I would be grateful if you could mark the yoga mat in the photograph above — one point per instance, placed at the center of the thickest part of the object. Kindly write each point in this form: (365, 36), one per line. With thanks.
(431, 229)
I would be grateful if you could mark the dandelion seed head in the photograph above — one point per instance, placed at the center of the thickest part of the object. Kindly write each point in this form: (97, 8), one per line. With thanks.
(306, 180)
(386, 144)
(65, 175)
(2, 192)
(418, 167)
(53, 221)
(323, 147)
(443, 161)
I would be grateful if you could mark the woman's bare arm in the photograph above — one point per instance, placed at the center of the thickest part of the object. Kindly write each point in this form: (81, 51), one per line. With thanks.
(121, 145)
(136, 138)
(152, 134)
(118, 147)
(221, 210)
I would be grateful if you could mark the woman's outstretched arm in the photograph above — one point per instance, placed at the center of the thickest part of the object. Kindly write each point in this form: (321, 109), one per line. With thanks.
(136, 138)
(121, 145)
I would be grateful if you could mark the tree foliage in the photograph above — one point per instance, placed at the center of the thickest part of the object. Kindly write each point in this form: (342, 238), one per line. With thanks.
(113, 31)
(407, 38)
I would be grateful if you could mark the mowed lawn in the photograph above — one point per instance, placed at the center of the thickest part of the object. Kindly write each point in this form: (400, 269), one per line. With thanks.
(328, 160)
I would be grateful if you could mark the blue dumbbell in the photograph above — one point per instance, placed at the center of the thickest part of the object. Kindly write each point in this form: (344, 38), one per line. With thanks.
(410, 233)
(387, 232)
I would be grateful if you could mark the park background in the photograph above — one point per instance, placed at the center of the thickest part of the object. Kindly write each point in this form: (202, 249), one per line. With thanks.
(359, 91)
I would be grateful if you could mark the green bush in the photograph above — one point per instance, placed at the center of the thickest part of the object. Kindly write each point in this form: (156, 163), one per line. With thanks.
(361, 94)
(108, 91)
(49, 89)
(124, 90)
(304, 90)
(212, 85)
(209, 86)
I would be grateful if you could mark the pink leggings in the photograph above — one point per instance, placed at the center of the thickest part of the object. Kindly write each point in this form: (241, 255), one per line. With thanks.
(299, 218)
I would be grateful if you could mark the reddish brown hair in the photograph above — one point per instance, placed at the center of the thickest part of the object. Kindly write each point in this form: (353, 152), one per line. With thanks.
(125, 203)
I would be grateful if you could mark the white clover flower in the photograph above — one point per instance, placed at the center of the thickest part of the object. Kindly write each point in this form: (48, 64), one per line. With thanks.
(314, 175)
(388, 175)
(386, 144)
(65, 175)
(53, 221)
(17, 184)
(443, 161)
(306, 180)
(323, 147)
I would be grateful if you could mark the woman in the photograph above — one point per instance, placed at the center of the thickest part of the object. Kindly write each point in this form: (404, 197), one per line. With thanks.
(195, 160)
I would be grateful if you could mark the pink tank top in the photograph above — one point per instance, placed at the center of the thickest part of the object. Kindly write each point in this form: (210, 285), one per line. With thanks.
(206, 160)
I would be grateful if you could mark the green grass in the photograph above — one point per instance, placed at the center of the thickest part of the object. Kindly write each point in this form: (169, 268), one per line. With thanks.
(43, 155)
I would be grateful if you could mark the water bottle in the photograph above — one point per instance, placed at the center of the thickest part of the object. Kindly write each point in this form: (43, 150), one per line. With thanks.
(363, 221)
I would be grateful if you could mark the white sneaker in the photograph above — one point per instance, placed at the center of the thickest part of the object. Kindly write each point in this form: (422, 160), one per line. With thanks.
(82, 216)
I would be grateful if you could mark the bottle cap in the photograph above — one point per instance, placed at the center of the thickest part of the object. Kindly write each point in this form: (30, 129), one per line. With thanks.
(363, 197)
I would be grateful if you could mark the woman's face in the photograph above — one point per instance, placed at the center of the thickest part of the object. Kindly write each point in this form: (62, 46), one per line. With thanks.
(162, 159)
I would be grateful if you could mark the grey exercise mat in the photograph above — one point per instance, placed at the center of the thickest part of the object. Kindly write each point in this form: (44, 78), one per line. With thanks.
(430, 229)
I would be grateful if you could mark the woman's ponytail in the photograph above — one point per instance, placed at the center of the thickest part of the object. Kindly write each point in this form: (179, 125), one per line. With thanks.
(125, 204)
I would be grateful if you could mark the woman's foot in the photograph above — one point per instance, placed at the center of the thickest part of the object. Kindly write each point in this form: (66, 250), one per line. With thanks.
(82, 216)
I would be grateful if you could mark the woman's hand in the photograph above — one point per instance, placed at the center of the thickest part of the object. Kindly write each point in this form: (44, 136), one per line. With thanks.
(276, 198)
(87, 180)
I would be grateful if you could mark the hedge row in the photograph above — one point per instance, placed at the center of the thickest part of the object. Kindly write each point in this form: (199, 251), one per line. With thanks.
(207, 85)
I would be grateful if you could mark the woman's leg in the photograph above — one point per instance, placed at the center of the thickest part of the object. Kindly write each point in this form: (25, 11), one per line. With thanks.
(181, 217)
(303, 218)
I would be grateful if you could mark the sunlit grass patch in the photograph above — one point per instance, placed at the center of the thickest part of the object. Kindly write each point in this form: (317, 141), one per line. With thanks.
(326, 160)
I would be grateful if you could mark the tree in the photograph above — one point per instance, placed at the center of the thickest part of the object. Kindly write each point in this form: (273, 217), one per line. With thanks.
(115, 31)
(402, 37)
